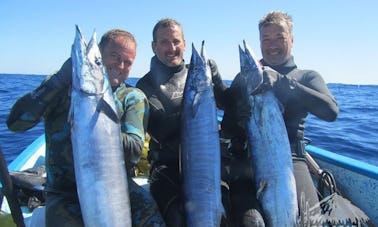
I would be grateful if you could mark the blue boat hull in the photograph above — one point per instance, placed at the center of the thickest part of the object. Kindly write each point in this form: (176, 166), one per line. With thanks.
(357, 180)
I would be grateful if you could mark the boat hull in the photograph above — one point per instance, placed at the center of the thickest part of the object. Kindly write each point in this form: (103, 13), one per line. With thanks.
(357, 180)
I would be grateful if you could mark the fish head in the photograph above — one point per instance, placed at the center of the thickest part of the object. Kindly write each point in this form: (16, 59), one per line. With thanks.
(199, 75)
(198, 81)
(88, 71)
(250, 68)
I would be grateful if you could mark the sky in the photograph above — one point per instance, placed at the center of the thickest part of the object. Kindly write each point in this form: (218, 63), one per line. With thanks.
(337, 38)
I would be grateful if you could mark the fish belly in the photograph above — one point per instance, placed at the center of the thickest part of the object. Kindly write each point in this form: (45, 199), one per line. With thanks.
(272, 162)
(99, 166)
(201, 169)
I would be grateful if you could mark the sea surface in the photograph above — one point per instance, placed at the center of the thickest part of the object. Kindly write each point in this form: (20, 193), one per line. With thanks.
(354, 133)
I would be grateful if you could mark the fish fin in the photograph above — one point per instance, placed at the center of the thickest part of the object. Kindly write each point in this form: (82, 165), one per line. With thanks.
(92, 41)
(260, 190)
(108, 110)
(257, 79)
(203, 52)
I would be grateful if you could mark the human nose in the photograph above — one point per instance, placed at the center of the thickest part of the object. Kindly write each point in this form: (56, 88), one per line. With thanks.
(121, 64)
(172, 46)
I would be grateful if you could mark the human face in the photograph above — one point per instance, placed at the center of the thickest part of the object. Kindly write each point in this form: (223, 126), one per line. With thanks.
(118, 56)
(169, 45)
(276, 43)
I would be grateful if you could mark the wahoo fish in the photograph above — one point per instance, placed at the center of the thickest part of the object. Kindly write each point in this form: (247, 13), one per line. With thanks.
(96, 140)
(269, 144)
(200, 148)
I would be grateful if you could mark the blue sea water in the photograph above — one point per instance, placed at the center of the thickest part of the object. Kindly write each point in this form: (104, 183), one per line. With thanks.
(353, 134)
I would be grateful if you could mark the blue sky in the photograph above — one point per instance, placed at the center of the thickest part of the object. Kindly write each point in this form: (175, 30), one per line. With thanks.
(337, 38)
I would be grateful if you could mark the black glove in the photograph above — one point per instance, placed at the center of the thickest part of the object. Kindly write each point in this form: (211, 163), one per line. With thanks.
(219, 85)
(63, 77)
(28, 110)
(282, 86)
(215, 76)
(25, 113)
(270, 79)
(53, 85)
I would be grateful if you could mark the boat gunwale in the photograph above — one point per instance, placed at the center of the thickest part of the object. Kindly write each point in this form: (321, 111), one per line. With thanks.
(19, 162)
(343, 161)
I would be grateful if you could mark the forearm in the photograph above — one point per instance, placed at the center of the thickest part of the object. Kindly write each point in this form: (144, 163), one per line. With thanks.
(219, 86)
(133, 146)
(29, 109)
(322, 105)
(236, 113)
(134, 125)
(219, 90)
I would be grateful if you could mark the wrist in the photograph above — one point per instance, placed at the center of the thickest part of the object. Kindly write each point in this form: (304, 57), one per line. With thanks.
(287, 83)
(216, 80)
(293, 84)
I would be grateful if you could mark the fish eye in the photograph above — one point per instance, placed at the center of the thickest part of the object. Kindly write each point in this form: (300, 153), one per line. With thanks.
(98, 61)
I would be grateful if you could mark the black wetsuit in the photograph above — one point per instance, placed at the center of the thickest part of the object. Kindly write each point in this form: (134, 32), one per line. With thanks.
(301, 92)
(164, 88)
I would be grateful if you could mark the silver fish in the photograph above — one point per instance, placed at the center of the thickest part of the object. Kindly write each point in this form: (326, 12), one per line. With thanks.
(96, 140)
(270, 148)
(200, 148)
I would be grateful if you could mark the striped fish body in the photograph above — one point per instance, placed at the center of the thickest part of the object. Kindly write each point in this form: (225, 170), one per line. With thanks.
(270, 148)
(96, 140)
(200, 149)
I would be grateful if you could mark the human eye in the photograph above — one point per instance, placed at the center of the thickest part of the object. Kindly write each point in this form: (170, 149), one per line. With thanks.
(265, 40)
(127, 63)
(282, 36)
(115, 57)
(177, 42)
(164, 42)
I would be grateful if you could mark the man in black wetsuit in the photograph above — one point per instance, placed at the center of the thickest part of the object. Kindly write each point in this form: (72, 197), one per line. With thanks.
(164, 85)
(300, 91)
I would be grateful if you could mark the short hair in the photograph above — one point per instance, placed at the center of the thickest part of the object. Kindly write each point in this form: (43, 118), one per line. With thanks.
(277, 17)
(164, 23)
(114, 34)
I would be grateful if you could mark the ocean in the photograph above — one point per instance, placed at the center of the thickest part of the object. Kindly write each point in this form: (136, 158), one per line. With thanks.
(353, 134)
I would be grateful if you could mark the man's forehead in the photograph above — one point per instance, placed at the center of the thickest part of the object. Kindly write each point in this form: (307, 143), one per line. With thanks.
(277, 27)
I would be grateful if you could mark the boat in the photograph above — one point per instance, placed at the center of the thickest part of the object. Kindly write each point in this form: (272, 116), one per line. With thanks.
(32, 157)
(356, 180)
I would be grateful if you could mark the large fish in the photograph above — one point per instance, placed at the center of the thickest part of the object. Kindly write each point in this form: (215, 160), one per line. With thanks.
(200, 148)
(96, 140)
(270, 148)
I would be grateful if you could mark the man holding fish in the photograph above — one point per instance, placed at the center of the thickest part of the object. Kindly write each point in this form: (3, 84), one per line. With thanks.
(51, 101)
(164, 87)
(299, 91)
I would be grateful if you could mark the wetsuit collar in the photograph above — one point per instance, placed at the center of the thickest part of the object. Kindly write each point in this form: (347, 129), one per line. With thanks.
(155, 62)
(284, 68)
(123, 84)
